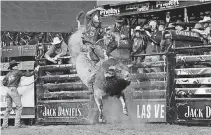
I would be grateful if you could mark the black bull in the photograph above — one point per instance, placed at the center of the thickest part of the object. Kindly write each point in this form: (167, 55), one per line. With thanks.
(110, 80)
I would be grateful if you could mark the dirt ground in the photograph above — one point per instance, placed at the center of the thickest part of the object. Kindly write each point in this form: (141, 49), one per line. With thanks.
(117, 124)
(109, 129)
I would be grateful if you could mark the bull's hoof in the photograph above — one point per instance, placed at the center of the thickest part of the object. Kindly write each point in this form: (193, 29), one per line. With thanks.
(101, 120)
(125, 112)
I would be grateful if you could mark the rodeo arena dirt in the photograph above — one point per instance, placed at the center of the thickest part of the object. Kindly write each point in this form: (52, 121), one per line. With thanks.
(106, 67)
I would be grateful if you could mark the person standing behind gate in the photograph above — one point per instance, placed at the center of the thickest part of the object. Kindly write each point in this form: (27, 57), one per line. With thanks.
(140, 42)
(58, 49)
(12, 81)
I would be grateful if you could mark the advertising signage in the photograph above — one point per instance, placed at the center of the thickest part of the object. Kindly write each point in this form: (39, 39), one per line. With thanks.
(138, 7)
(167, 4)
(119, 9)
(109, 12)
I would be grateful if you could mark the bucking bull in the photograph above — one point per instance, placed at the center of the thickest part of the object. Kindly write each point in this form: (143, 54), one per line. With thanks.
(111, 76)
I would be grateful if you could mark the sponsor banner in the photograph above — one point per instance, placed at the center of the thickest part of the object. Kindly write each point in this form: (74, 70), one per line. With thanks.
(167, 4)
(194, 110)
(187, 33)
(25, 65)
(109, 12)
(26, 92)
(17, 51)
(145, 6)
(73, 112)
(150, 111)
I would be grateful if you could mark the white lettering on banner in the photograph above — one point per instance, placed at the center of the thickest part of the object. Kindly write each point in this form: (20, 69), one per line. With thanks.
(49, 112)
(208, 112)
(198, 112)
(144, 8)
(169, 4)
(109, 12)
(148, 111)
(138, 114)
(159, 109)
(145, 111)
(195, 113)
(162, 111)
(186, 33)
(62, 112)
(75, 112)
(137, 6)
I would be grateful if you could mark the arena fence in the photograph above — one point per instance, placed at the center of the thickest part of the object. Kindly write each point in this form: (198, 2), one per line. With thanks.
(193, 85)
(192, 77)
(176, 87)
(150, 81)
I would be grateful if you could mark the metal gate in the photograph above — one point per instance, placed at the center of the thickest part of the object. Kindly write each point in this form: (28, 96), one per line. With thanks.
(61, 97)
(193, 85)
(150, 88)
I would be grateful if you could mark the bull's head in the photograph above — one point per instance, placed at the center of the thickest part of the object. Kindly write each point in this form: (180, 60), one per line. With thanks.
(120, 70)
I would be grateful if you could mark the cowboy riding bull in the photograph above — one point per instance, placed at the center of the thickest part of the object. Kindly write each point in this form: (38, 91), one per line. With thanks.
(105, 76)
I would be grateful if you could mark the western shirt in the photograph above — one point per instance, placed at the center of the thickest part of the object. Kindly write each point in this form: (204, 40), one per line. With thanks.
(61, 51)
(14, 77)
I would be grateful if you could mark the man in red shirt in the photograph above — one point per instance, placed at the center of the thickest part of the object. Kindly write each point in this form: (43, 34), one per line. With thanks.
(12, 81)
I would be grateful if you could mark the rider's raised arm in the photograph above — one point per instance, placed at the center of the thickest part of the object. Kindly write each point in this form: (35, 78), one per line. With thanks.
(89, 15)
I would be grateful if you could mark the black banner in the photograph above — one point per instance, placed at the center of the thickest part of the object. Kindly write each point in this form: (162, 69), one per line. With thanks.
(150, 6)
(194, 110)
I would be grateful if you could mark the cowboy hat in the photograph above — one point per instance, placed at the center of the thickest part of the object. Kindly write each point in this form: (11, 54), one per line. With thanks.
(179, 22)
(170, 26)
(206, 19)
(138, 28)
(56, 40)
(119, 19)
(198, 26)
(12, 64)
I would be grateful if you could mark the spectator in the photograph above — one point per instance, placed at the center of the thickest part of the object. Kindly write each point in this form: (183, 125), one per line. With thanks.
(163, 42)
(206, 22)
(170, 27)
(198, 28)
(118, 28)
(153, 26)
(139, 44)
(161, 27)
(34, 40)
(58, 49)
